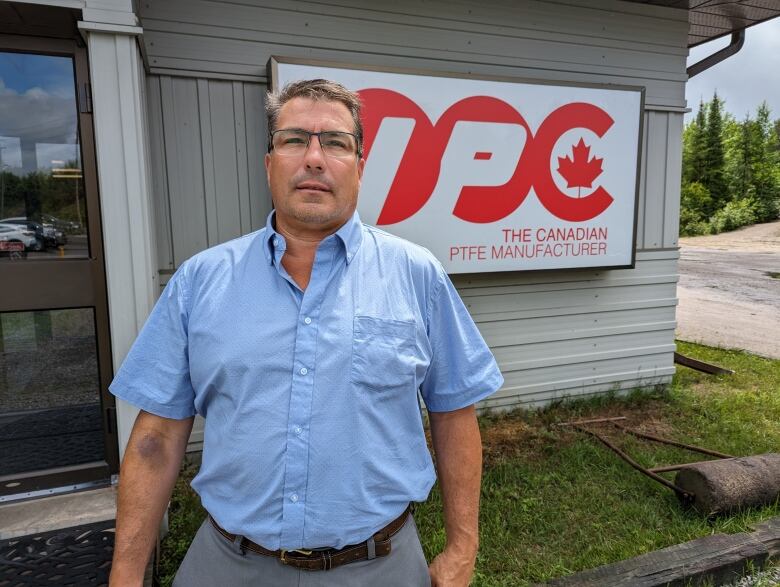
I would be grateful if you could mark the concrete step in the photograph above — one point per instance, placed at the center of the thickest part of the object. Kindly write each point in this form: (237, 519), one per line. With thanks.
(56, 512)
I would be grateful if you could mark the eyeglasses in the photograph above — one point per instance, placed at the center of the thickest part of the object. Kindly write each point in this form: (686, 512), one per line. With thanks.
(295, 141)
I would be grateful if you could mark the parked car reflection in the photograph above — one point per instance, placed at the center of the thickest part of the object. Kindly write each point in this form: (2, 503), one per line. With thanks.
(66, 226)
(16, 240)
(49, 235)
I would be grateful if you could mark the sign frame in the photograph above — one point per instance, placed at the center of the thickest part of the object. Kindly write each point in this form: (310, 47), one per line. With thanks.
(273, 82)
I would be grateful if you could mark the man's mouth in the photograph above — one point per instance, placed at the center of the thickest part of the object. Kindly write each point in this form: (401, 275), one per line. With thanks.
(313, 186)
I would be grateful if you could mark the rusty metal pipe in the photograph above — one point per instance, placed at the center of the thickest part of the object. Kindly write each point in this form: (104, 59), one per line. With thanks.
(705, 451)
(674, 467)
(682, 494)
(594, 421)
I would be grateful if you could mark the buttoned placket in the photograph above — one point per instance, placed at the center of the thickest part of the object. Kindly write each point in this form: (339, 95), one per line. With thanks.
(304, 373)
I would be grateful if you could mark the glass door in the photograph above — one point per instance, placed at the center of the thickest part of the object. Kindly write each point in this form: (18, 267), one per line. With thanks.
(57, 424)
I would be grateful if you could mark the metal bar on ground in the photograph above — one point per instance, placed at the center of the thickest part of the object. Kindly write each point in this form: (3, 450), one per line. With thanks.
(705, 451)
(668, 468)
(701, 365)
(684, 495)
(594, 421)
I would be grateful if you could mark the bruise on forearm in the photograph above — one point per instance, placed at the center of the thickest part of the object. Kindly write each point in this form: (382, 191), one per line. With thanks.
(156, 448)
(154, 437)
(149, 447)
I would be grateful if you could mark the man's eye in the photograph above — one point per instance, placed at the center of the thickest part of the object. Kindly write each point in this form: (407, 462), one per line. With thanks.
(336, 143)
(293, 141)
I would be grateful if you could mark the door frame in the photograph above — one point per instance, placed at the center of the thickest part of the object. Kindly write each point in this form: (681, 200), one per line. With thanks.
(69, 276)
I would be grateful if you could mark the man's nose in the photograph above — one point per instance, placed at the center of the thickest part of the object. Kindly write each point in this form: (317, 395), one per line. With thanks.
(314, 158)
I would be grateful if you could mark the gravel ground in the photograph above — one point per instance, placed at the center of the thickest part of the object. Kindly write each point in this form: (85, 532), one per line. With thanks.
(729, 289)
(768, 578)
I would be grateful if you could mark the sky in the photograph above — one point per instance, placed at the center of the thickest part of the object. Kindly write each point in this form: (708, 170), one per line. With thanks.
(22, 72)
(37, 112)
(744, 80)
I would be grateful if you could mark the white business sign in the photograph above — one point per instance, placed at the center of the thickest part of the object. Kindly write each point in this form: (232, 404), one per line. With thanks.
(496, 175)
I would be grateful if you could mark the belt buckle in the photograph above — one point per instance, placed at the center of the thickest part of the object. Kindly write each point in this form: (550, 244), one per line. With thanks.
(284, 551)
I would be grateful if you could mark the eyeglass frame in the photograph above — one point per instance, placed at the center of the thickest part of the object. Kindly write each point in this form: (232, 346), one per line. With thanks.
(358, 146)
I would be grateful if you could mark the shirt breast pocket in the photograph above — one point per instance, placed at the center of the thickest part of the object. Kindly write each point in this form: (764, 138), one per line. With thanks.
(383, 354)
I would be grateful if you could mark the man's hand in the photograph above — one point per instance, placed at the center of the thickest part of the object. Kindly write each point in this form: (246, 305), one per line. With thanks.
(458, 448)
(452, 569)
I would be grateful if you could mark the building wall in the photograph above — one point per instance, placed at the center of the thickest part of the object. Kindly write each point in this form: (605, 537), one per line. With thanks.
(554, 333)
(208, 140)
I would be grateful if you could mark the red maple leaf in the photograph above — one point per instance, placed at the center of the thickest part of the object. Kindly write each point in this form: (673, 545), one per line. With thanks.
(578, 171)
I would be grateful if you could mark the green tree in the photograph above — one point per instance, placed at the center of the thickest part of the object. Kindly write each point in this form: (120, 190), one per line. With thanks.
(713, 176)
(774, 142)
(741, 141)
(731, 170)
(764, 168)
(695, 147)
(695, 208)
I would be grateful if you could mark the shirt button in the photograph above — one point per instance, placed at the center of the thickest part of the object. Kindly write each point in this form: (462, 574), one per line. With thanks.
(276, 241)
(298, 430)
(294, 497)
(304, 370)
(307, 320)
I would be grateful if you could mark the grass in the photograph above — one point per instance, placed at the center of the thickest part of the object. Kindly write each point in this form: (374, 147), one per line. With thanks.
(555, 501)
(185, 515)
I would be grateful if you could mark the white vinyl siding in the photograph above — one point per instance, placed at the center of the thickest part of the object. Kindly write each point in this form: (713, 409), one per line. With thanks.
(208, 141)
(577, 333)
(601, 40)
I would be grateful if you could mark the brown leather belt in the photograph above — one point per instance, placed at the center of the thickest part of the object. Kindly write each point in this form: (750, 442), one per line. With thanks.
(329, 558)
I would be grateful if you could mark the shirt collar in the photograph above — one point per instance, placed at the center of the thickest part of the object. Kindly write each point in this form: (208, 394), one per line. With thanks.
(350, 234)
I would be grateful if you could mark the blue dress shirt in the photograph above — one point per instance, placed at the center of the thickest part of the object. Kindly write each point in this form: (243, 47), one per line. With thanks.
(313, 434)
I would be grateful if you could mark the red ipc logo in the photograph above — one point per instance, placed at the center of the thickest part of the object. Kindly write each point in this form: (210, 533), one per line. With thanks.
(420, 165)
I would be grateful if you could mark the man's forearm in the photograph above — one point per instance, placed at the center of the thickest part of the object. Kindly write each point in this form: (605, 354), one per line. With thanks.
(458, 448)
(149, 470)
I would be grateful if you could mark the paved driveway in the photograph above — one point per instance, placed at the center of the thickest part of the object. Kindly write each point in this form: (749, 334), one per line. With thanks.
(728, 294)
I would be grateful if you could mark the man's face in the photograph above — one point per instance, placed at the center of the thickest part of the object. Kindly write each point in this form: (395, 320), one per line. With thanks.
(313, 190)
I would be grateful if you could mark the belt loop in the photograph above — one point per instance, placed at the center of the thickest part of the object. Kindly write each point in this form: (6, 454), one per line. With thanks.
(371, 546)
(238, 543)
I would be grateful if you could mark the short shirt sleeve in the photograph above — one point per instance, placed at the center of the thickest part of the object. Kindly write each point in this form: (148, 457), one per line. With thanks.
(462, 371)
(155, 375)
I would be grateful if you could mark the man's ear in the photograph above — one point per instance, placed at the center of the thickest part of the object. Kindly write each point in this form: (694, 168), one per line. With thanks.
(361, 165)
(267, 170)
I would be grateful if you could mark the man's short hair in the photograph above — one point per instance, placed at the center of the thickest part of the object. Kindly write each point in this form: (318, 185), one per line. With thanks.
(315, 89)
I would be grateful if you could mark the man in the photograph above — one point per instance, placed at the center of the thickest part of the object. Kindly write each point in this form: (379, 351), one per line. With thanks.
(304, 346)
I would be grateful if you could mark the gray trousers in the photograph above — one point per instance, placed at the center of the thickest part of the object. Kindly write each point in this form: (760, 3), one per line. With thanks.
(213, 561)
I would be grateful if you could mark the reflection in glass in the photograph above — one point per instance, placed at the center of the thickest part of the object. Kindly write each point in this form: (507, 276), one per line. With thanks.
(49, 391)
(42, 196)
